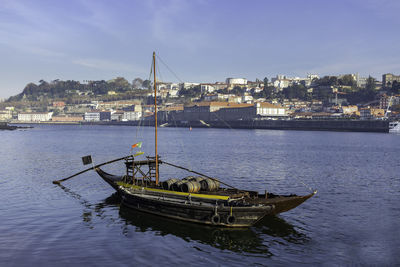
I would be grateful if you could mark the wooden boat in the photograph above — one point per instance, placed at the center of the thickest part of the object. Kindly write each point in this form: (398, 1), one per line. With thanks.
(198, 199)
(5, 126)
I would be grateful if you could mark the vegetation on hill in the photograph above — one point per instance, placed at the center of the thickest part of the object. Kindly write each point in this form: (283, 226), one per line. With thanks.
(73, 89)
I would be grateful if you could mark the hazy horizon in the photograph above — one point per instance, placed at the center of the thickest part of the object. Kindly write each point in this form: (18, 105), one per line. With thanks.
(201, 40)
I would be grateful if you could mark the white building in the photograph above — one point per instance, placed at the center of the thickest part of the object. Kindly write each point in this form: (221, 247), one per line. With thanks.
(268, 109)
(5, 115)
(207, 88)
(35, 116)
(187, 85)
(247, 99)
(238, 81)
(173, 93)
(92, 116)
(116, 115)
(132, 115)
(281, 81)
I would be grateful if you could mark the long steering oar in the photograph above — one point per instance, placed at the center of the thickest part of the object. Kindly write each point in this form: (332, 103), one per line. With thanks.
(91, 168)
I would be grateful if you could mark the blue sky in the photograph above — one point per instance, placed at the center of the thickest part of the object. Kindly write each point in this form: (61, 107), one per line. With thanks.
(201, 40)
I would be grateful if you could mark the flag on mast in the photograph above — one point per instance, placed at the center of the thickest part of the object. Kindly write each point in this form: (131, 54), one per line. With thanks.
(138, 153)
(139, 145)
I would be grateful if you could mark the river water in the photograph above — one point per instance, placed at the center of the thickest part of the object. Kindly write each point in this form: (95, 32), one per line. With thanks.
(353, 220)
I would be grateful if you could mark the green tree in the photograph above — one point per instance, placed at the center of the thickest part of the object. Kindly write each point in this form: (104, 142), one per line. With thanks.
(265, 82)
(295, 91)
(190, 92)
(327, 81)
(370, 86)
(237, 90)
(137, 83)
(347, 80)
(119, 84)
(268, 92)
(146, 84)
(395, 89)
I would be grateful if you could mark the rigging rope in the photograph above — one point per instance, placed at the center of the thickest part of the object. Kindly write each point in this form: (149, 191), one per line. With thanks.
(180, 80)
(181, 143)
(173, 73)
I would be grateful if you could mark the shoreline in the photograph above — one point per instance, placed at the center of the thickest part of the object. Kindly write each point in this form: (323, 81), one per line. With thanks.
(301, 125)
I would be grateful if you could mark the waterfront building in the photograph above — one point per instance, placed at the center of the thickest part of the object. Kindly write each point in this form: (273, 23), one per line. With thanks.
(371, 113)
(269, 110)
(5, 115)
(131, 115)
(116, 104)
(312, 115)
(117, 115)
(202, 110)
(349, 110)
(293, 104)
(105, 115)
(171, 113)
(92, 115)
(244, 111)
(234, 112)
(35, 116)
(67, 118)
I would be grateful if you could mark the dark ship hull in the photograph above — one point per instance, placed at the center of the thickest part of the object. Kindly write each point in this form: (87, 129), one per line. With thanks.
(224, 207)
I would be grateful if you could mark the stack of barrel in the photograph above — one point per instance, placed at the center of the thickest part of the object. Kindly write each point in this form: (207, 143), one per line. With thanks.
(191, 184)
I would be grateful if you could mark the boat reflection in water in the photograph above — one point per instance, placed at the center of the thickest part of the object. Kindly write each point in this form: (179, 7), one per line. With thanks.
(250, 240)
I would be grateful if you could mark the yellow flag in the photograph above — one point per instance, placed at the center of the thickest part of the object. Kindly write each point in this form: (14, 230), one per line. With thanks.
(138, 153)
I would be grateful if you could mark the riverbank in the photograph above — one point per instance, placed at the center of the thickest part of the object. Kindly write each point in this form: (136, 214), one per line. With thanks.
(303, 125)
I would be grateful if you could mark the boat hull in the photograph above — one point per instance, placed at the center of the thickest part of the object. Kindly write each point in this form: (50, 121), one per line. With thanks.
(200, 208)
(217, 215)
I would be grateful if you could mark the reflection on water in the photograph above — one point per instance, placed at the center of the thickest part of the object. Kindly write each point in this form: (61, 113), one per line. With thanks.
(249, 240)
(237, 240)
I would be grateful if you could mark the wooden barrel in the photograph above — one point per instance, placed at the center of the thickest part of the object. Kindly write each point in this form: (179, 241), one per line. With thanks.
(177, 185)
(217, 183)
(188, 178)
(197, 179)
(209, 185)
(190, 187)
(166, 185)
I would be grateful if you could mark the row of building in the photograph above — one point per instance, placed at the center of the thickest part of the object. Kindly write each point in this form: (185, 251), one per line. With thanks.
(279, 82)
(211, 111)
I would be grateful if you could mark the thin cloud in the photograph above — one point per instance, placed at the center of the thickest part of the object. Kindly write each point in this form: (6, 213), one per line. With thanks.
(108, 65)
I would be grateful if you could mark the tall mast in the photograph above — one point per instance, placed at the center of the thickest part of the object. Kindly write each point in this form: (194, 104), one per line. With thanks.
(155, 113)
